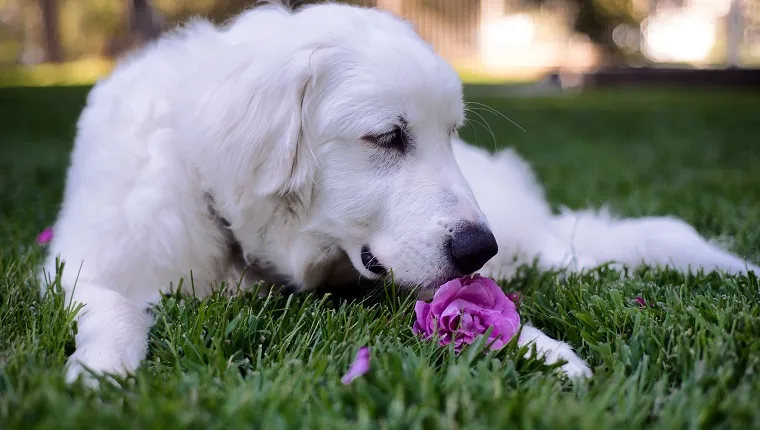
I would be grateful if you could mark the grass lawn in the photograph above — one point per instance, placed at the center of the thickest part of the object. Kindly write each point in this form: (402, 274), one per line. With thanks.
(87, 71)
(691, 360)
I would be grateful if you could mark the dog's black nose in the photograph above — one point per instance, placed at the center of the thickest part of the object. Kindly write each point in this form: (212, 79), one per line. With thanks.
(472, 246)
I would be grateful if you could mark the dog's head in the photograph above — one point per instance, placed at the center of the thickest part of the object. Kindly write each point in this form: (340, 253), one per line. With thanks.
(351, 114)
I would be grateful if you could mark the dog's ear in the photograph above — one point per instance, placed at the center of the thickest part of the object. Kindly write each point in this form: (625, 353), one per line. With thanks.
(246, 127)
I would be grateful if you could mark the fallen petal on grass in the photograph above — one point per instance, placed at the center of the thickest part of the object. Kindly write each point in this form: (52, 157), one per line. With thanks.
(359, 367)
(45, 236)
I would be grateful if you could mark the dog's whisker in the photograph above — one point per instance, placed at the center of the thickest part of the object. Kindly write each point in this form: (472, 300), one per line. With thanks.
(483, 106)
(469, 121)
(487, 126)
(491, 110)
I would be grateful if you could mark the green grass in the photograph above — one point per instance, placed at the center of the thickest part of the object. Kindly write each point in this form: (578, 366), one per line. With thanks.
(88, 71)
(690, 361)
(81, 72)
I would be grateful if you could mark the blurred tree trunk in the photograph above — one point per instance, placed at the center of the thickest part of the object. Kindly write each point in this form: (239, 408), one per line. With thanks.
(734, 24)
(50, 31)
(141, 24)
(144, 23)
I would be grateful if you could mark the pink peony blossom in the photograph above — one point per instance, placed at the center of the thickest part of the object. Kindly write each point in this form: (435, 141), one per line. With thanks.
(359, 367)
(45, 236)
(463, 309)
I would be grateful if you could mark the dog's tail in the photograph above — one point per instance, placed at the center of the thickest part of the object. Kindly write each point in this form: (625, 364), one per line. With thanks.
(597, 237)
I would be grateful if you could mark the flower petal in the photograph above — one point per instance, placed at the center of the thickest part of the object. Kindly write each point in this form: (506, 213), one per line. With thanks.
(475, 292)
(464, 309)
(45, 236)
(467, 321)
(515, 297)
(422, 312)
(495, 344)
(458, 306)
(450, 321)
(359, 367)
(643, 303)
(445, 294)
(490, 295)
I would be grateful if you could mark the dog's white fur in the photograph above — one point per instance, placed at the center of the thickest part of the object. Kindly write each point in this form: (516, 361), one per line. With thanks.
(262, 119)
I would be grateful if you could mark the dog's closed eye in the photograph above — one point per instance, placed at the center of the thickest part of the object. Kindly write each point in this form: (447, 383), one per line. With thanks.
(397, 139)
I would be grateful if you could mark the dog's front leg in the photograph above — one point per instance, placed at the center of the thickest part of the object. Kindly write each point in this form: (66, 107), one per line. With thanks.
(553, 351)
(112, 335)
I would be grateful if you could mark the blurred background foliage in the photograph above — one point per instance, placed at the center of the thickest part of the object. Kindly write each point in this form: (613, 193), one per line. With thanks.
(492, 36)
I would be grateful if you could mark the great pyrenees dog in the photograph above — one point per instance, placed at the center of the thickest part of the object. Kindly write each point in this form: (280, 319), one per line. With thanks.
(305, 148)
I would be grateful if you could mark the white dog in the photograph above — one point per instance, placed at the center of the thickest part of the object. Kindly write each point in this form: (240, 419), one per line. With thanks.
(307, 147)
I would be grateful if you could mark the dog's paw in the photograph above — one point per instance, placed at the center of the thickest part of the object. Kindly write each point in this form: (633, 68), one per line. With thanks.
(576, 367)
(89, 361)
(554, 351)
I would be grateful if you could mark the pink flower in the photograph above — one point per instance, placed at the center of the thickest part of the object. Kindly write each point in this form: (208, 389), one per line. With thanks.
(359, 367)
(463, 309)
(45, 236)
